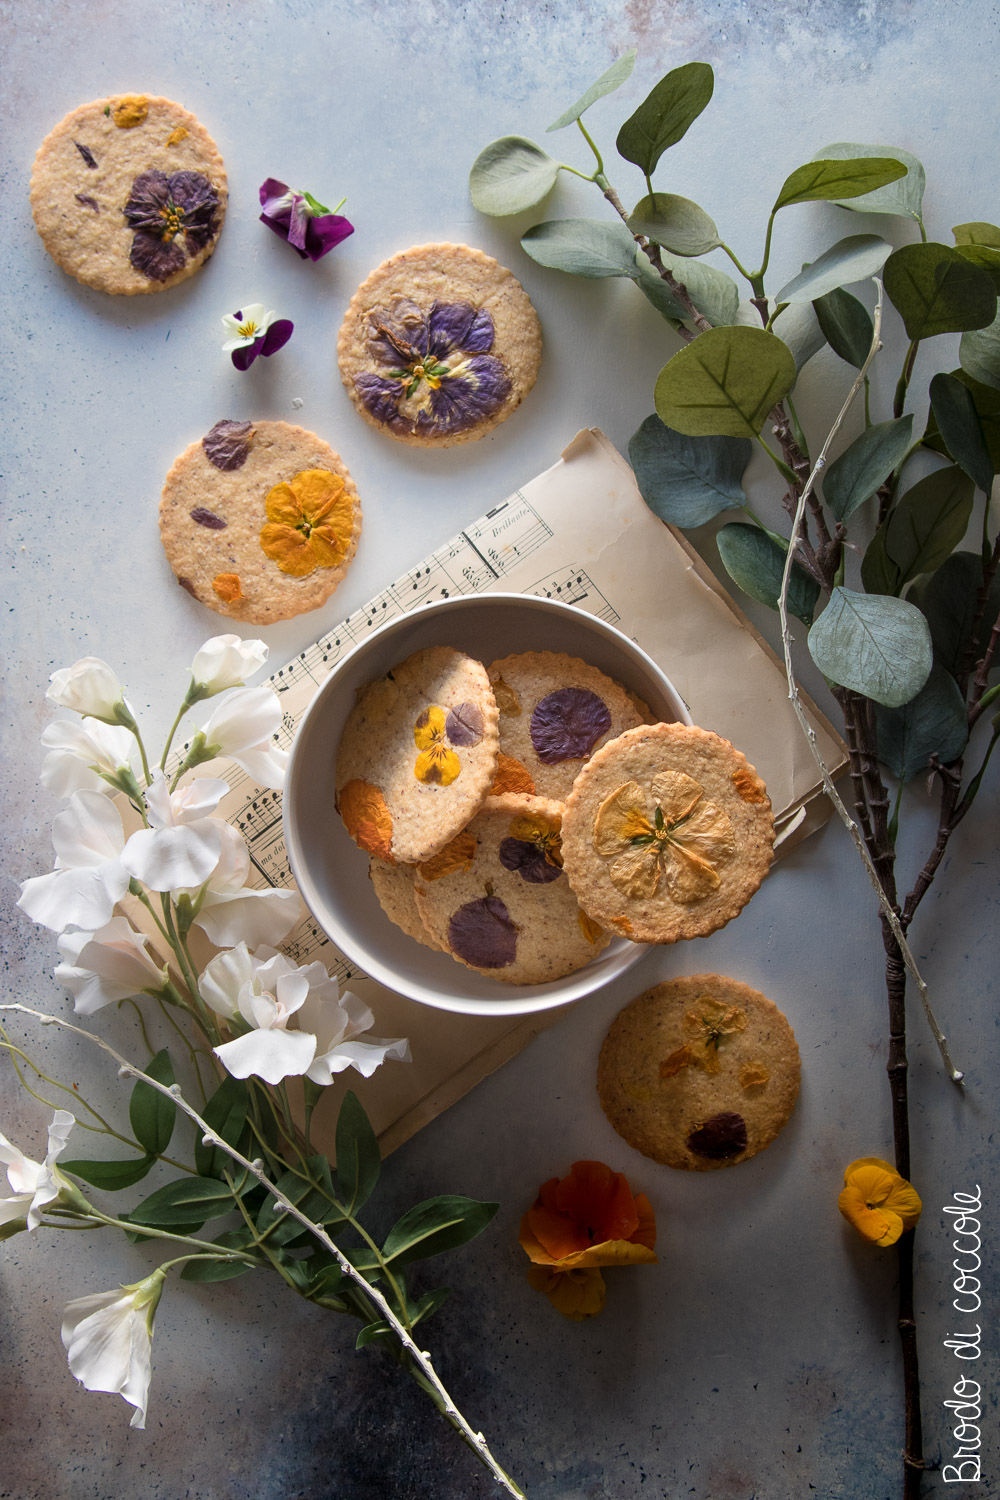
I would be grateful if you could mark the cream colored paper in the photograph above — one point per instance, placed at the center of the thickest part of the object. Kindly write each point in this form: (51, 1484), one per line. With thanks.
(579, 532)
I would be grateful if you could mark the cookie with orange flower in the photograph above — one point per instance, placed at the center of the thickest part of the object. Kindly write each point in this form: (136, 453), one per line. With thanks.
(578, 1224)
(699, 1073)
(259, 520)
(417, 755)
(667, 833)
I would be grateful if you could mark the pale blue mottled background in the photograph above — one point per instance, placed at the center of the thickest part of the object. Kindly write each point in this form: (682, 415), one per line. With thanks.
(758, 1358)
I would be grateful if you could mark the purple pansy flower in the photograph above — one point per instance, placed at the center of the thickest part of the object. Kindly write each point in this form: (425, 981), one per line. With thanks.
(436, 374)
(174, 216)
(309, 227)
(253, 330)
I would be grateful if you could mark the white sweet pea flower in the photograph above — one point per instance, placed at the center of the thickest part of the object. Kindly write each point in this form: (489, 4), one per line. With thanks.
(108, 1338)
(183, 843)
(228, 911)
(224, 662)
(35, 1184)
(89, 686)
(337, 1020)
(89, 878)
(263, 991)
(79, 751)
(242, 727)
(104, 967)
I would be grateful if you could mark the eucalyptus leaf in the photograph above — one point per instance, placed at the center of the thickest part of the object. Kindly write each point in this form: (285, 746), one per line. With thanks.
(855, 258)
(832, 179)
(928, 522)
(876, 645)
(856, 474)
(902, 197)
(725, 382)
(359, 1161)
(583, 247)
(714, 294)
(657, 292)
(189, 1201)
(979, 354)
(151, 1114)
(510, 175)
(686, 480)
(798, 327)
(958, 423)
(950, 600)
(988, 260)
(755, 562)
(934, 723)
(226, 1113)
(977, 232)
(610, 80)
(666, 115)
(936, 290)
(678, 224)
(110, 1175)
(846, 324)
(436, 1224)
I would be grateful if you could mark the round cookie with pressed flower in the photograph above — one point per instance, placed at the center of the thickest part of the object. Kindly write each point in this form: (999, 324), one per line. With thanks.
(699, 1073)
(129, 194)
(439, 345)
(259, 520)
(417, 755)
(667, 833)
(496, 897)
(555, 711)
(393, 887)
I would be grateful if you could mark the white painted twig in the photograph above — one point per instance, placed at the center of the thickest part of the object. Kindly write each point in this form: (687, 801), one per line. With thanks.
(793, 692)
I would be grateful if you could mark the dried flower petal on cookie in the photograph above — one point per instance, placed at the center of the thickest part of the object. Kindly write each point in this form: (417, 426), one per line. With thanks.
(161, 209)
(673, 834)
(310, 523)
(533, 848)
(436, 763)
(482, 933)
(366, 817)
(567, 724)
(706, 1027)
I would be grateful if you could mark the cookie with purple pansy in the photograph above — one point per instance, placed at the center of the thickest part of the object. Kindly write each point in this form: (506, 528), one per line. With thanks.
(129, 194)
(439, 345)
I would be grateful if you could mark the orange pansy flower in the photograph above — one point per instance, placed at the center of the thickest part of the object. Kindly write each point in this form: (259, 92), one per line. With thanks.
(310, 521)
(878, 1201)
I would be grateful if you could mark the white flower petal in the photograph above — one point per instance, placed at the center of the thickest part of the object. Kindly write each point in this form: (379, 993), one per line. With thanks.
(107, 966)
(88, 831)
(167, 859)
(257, 916)
(74, 898)
(272, 1055)
(224, 977)
(226, 661)
(363, 1053)
(89, 686)
(242, 727)
(78, 751)
(108, 1340)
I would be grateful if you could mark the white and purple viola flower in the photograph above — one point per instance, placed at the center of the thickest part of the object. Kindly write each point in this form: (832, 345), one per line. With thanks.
(310, 227)
(433, 372)
(254, 330)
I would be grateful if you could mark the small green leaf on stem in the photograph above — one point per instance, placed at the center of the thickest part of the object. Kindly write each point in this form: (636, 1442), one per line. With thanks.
(583, 247)
(936, 290)
(510, 175)
(110, 1175)
(756, 563)
(610, 80)
(924, 527)
(876, 645)
(666, 115)
(152, 1115)
(676, 223)
(724, 382)
(226, 1113)
(846, 325)
(934, 723)
(903, 197)
(686, 480)
(858, 472)
(831, 179)
(358, 1159)
(949, 600)
(856, 258)
(979, 354)
(958, 423)
(436, 1224)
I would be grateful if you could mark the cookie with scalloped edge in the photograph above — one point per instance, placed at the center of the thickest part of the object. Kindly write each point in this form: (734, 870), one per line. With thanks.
(417, 755)
(393, 887)
(667, 833)
(699, 1073)
(129, 194)
(439, 344)
(555, 711)
(259, 520)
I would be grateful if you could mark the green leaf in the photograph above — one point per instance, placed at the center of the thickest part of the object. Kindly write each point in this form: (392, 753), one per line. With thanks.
(958, 423)
(936, 290)
(847, 326)
(977, 232)
(583, 247)
(988, 260)
(222, 1270)
(934, 723)
(110, 1175)
(849, 260)
(678, 224)
(189, 1201)
(755, 562)
(979, 354)
(510, 175)
(666, 115)
(874, 645)
(358, 1159)
(713, 293)
(656, 291)
(924, 527)
(314, 1202)
(798, 327)
(226, 1113)
(949, 599)
(428, 1304)
(152, 1115)
(685, 480)
(436, 1224)
(856, 474)
(835, 179)
(607, 83)
(902, 197)
(725, 382)
(375, 1333)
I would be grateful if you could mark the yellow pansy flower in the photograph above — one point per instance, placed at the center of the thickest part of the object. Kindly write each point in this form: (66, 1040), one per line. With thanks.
(670, 833)
(437, 763)
(878, 1201)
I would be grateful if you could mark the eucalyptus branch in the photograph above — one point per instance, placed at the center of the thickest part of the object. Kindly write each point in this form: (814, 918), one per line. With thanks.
(421, 1358)
(652, 250)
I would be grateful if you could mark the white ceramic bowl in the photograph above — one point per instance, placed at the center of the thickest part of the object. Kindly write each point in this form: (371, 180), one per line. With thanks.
(332, 872)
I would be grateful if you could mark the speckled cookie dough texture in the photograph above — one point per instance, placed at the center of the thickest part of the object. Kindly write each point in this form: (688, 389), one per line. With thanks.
(393, 887)
(417, 755)
(498, 901)
(259, 520)
(439, 345)
(129, 194)
(667, 833)
(699, 1073)
(555, 711)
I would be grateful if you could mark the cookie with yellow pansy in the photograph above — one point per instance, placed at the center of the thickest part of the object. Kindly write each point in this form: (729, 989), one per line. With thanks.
(417, 755)
(699, 1073)
(259, 520)
(667, 833)
(496, 897)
